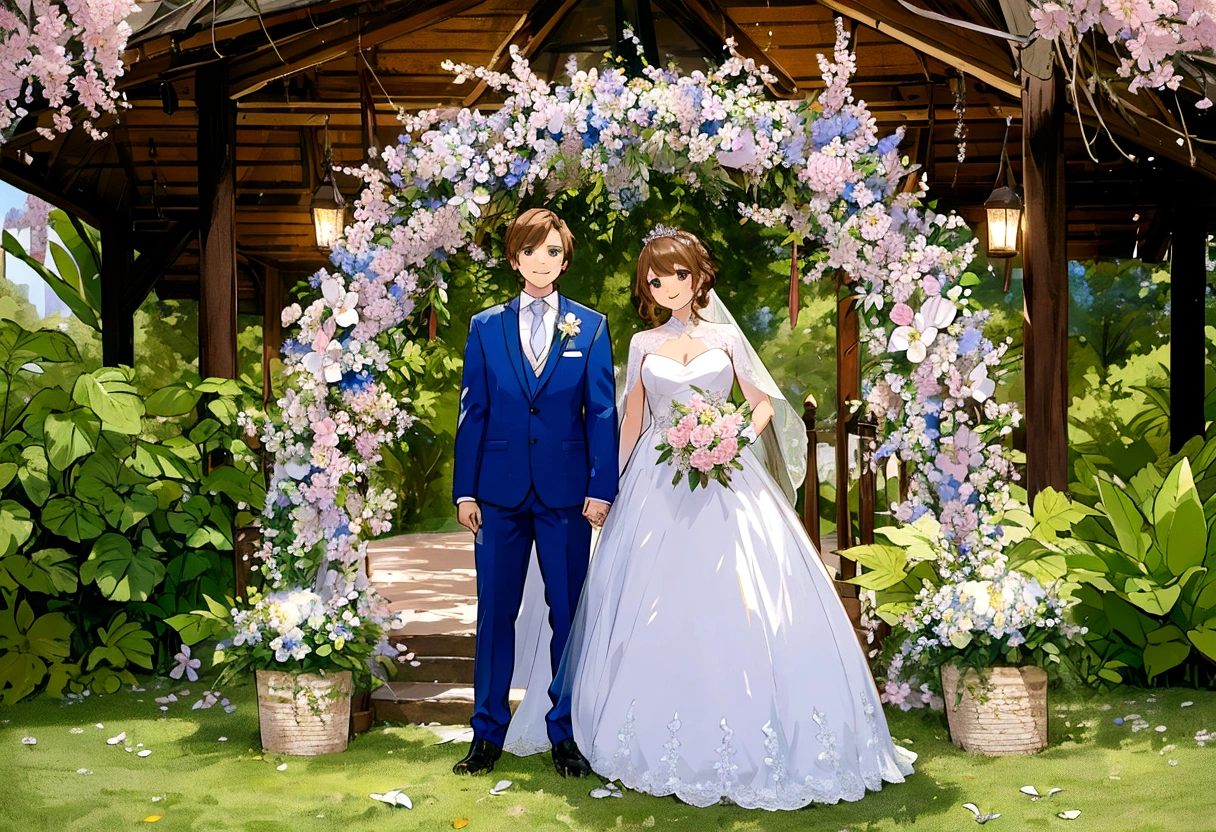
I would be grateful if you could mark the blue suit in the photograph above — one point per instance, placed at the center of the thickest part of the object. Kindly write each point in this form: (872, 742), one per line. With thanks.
(530, 449)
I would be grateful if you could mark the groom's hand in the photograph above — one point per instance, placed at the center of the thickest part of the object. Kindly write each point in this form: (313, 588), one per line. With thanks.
(468, 514)
(595, 511)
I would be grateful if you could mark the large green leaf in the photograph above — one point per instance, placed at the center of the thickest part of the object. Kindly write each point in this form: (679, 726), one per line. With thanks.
(1126, 520)
(194, 627)
(1126, 619)
(124, 642)
(88, 315)
(71, 435)
(49, 571)
(1204, 640)
(160, 460)
(20, 674)
(174, 400)
(885, 566)
(1178, 520)
(34, 475)
(1166, 649)
(8, 470)
(114, 400)
(1055, 513)
(1152, 599)
(121, 572)
(72, 518)
(16, 526)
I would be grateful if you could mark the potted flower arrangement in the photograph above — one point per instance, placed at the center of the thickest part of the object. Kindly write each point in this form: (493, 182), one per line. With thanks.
(985, 633)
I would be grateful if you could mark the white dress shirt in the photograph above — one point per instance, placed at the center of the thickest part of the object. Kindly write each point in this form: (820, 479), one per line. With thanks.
(525, 327)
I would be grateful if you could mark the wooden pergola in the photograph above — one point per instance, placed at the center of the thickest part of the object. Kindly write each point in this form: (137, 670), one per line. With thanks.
(210, 172)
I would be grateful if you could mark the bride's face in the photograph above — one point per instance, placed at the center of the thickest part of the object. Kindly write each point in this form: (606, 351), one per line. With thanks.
(673, 291)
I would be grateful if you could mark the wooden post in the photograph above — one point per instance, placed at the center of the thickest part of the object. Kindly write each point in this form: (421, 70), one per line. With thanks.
(1188, 282)
(848, 389)
(117, 317)
(1045, 259)
(217, 223)
(810, 493)
(867, 491)
(272, 324)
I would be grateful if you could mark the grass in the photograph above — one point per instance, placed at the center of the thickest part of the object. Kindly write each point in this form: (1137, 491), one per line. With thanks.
(1119, 779)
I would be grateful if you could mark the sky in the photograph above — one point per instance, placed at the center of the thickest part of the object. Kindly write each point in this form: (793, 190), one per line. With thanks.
(15, 270)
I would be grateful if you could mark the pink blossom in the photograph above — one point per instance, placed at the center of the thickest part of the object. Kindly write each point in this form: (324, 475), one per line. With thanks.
(702, 460)
(701, 436)
(931, 285)
(902, 314)
(726, 451)
(325, 432)
(677, 437)
(729, 425)
(687, 423)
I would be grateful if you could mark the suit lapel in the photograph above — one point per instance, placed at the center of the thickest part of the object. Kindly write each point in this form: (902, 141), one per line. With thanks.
(515, 352)
(555, 351)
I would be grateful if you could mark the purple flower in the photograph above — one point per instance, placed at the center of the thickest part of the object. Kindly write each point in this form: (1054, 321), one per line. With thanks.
(185, 664)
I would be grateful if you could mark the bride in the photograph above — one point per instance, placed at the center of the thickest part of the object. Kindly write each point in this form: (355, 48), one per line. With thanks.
(710, 657)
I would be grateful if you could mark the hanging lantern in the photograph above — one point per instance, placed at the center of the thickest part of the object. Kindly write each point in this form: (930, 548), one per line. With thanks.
(328, 208)
(1004, 208)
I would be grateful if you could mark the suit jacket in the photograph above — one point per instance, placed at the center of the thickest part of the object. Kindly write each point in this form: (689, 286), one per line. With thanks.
(556, 433)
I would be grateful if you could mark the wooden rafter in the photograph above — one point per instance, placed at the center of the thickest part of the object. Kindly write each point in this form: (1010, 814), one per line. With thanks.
(342, 37)
(710, 25)
(155, 260)
(527, 35)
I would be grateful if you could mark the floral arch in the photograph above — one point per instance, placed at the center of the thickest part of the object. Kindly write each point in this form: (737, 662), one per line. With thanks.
(818, 170)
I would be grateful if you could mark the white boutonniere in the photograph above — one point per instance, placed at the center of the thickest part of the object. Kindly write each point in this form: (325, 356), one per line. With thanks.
(569, 325)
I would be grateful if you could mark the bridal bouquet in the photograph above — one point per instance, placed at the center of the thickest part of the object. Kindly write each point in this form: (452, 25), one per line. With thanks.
(705, 439)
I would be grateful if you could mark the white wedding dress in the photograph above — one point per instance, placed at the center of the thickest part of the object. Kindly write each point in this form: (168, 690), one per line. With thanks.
(711, 657)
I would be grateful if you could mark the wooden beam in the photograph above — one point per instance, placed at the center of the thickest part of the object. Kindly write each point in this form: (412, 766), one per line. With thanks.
(1045, 259)
(28, 179)
(342, 37)
(1188, 286)
(117, 320)
(272, 324)
(848, 389)
(155, 260)
(527, 35)
(708, 23)
(217, 224)
(972, 53)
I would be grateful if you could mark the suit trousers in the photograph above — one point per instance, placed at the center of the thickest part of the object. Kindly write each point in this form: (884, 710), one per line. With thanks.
(503, 545)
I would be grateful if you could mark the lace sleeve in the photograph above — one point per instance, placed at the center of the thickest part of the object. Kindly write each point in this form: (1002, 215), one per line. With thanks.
(640, 345)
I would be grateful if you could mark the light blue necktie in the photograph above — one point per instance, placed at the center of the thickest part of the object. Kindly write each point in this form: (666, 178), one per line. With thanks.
(537, 337)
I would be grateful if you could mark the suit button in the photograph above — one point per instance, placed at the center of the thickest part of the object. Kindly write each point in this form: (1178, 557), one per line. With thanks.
(534, 440)
(534, 410)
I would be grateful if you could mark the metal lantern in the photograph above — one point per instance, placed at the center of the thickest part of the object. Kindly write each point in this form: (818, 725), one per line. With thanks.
(328, 207)
(1004, 209)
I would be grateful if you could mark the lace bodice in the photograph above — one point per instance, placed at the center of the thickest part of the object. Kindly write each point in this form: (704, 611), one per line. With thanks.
(665, 378)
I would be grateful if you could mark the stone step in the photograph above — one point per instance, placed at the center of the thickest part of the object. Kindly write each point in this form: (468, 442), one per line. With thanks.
(437, 669)
(427, 702)
(454, 646)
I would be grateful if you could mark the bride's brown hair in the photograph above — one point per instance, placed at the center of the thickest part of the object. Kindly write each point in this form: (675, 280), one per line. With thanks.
(661, 255)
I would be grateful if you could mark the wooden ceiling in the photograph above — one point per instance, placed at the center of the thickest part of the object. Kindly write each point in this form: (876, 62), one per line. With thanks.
(292, 71)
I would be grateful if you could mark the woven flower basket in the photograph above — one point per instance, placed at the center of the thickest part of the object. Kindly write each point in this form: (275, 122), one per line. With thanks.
(1003, 712)
(304, 714)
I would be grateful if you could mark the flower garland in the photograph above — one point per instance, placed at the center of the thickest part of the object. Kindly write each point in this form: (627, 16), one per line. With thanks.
(819, 170)
(1150, 37)
(68, 52)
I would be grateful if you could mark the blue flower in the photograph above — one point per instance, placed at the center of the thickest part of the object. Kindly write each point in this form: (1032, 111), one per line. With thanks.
(969, 341)
(794, 149)
(395, 290)
(292, 346)
(592, 137)
(355, 382)
(440, 255)
(711, 128)
(823, 130)
(557, 137)
(887, 144)
(918, 512)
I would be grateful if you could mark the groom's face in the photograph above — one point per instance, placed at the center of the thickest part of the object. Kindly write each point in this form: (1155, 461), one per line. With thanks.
(543, 264)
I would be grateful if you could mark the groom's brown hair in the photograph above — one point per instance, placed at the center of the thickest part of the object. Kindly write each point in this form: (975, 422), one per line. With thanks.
(530, 229)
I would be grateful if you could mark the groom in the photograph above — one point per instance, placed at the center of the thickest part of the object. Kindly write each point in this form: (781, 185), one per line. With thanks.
(536, 463)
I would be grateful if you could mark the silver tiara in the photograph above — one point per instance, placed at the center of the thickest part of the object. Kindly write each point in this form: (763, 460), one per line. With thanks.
(661, 230)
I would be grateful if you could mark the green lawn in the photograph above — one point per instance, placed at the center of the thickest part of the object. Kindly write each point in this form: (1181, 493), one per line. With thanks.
(1119, 779)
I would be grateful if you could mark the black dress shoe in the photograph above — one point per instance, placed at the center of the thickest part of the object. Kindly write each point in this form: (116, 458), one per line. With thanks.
(569, 761)
(481, 758)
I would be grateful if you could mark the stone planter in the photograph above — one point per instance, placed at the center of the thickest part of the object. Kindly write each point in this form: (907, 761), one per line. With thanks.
(305, 714)
(1003, 712)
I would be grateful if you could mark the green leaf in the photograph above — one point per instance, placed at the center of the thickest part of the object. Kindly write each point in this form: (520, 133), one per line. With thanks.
(123, 643)
(20, 673)
(174, 400)
(72, 518)
(66, 292)
(1127, 619)
(1126, 519)
(71, 435)
(1154, 601)
(885, 565)
(121, 572)
(16, 526)
(153, 460)
(1178, 519)
(114, 401)
(48, 571)
(1204, 641)
(194, 627)
(34, 476)
(8, 470)
(1167, 648)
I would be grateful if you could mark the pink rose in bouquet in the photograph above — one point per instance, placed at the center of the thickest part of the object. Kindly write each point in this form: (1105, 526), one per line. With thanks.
(702, 435)
(705, 439)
